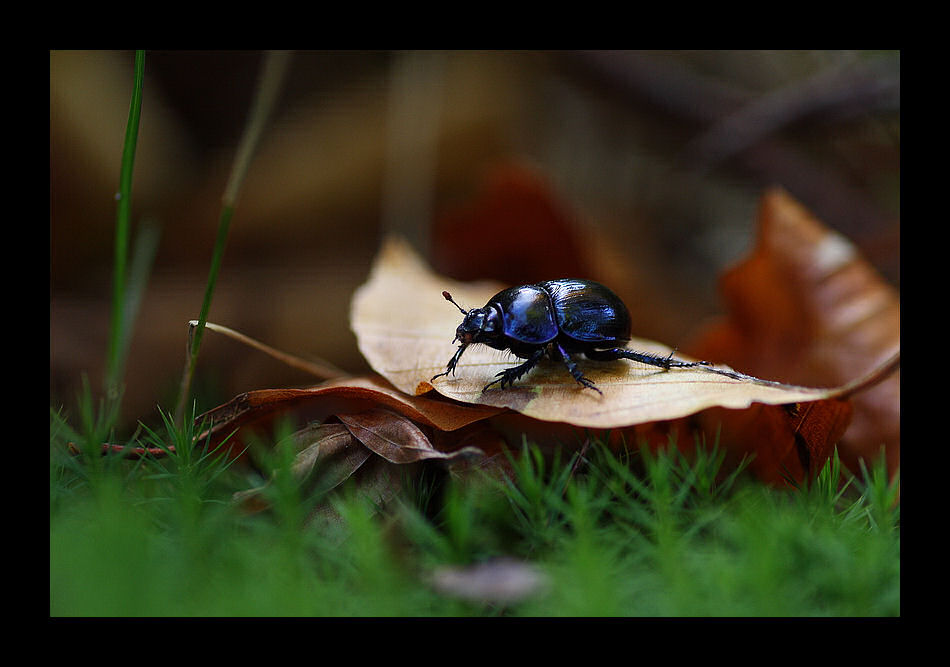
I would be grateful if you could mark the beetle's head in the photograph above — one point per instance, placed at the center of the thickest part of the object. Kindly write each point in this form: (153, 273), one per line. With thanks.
(478, 324)
(473, 326)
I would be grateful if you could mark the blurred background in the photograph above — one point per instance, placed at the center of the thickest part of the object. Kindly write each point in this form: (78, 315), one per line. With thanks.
(639, 169)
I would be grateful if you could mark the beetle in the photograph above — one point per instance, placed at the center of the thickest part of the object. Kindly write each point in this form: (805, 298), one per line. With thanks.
(558, 318)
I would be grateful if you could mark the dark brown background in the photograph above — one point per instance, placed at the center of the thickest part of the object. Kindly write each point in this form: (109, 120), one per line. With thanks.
(651, 162)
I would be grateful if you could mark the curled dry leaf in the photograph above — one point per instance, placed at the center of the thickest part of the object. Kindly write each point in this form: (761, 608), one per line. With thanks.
(329, 454)
(404, 328)
(380, 426)
(806, 307)
(344, 396)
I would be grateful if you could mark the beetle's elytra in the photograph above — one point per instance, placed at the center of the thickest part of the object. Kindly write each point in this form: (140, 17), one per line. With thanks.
(557, 318)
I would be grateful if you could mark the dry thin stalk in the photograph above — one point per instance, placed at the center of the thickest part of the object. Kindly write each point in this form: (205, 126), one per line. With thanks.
(318, 368)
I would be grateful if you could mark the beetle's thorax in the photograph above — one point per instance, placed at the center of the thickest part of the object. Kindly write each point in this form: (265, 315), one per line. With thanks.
(480, 325)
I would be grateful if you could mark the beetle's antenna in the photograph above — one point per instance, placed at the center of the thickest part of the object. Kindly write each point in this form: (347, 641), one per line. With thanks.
(448, 297)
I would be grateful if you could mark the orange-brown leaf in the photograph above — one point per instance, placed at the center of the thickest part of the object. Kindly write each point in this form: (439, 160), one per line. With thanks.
(807, 308)
(785, 442)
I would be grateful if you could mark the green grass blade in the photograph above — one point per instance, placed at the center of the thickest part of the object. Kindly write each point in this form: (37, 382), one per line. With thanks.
(118, 333)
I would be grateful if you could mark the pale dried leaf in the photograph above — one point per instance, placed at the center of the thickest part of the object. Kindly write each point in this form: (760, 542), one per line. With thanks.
(404, 329)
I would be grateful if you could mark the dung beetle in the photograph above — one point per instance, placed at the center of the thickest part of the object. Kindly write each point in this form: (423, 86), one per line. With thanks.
(557, 318)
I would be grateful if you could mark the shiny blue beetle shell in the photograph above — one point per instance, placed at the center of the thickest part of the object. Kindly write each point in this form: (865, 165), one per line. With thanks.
(588, 311)
(528, 316)
(580, 310)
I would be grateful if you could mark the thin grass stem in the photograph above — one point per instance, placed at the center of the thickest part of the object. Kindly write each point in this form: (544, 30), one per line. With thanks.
(269, 85)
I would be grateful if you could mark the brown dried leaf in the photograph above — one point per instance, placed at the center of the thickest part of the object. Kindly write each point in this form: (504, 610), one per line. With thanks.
(329, 454)
(404, 329)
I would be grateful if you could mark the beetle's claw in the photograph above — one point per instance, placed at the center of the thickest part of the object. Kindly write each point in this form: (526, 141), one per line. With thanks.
(502, 377)
(448, 369)
(589, 384)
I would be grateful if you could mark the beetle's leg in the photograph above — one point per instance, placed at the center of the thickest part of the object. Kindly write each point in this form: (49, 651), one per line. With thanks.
(510, 375)
(643, 357)
(575, 371)
(450, 368)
